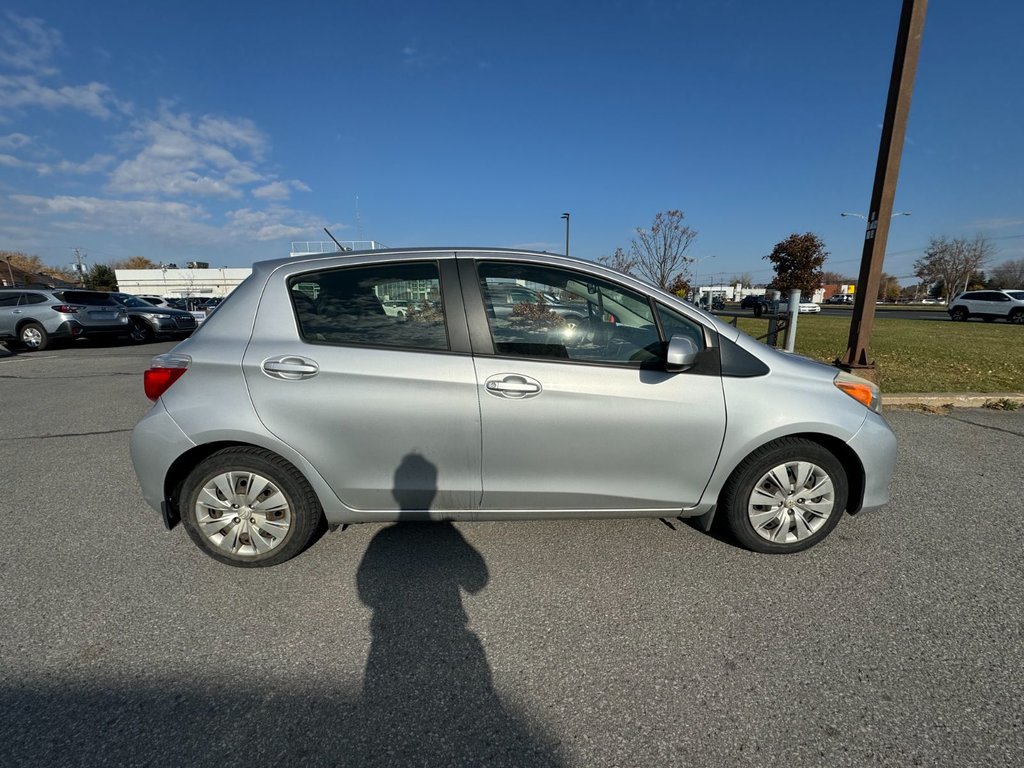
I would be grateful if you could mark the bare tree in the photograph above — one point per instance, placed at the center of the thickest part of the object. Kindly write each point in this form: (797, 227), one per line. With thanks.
(744, 279)
(134, 262)
(619, 261)
(659, 253)
(953, 262)
(835, 278)
(1009, 274)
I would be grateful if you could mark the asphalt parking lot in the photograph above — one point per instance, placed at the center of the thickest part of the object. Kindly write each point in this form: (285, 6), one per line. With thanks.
(899, 641)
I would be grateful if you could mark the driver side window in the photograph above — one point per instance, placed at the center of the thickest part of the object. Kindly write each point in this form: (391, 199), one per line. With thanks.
(547, 312)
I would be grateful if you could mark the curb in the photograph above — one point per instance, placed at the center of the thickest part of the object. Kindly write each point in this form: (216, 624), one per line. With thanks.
(950, 399)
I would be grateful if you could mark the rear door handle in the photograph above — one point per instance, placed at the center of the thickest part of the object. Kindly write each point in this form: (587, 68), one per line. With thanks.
(290, 367)
(513, 385)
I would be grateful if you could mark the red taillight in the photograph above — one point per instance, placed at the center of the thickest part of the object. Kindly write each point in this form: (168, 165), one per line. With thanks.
(66, 309)
(163, 371)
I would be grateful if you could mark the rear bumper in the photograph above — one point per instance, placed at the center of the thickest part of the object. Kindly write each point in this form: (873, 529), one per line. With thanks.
(156, 442)
(875, 446)
(107, 329)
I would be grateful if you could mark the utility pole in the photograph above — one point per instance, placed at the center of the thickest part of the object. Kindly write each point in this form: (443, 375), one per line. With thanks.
(887, 169)
(78, 266)
(566, 217)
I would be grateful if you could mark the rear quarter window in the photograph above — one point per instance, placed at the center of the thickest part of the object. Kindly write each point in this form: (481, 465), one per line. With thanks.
(87, 297)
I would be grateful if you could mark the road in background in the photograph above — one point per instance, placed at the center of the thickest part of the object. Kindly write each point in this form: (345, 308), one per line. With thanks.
(607, 643)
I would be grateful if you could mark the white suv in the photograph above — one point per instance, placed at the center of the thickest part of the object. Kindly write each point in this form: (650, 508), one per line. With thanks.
(989, 305)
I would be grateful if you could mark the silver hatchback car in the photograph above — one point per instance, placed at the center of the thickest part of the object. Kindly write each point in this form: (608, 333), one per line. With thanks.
(301, 404)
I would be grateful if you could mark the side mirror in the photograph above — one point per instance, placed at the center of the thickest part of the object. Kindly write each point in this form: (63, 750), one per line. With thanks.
(682, 354)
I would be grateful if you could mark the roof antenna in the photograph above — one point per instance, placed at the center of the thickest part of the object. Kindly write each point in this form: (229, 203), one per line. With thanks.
(340, 246)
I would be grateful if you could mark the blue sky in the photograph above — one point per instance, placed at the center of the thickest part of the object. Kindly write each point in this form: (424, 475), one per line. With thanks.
(224, 131)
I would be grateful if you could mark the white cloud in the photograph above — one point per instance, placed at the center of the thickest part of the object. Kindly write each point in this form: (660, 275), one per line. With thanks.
(181, 156)
(10, 161)
(173, 222)
(170, 220)
(27, 43)
(279, 190)
(275, 224)
(14, 141)
(18, 92)
(94, 164)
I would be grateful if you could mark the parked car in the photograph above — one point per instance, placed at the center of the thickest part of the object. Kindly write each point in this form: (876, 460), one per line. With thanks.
(156, 301)
(35, 317)
(301, 404)
(989, 306)
(149, 322)
(503, 298)
(751, 302)
(763, 304)
(840, 298)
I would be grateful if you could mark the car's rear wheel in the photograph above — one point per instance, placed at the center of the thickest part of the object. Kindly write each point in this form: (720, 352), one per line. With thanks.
(785, 497)
(249, 508)
(959, 314)
(141, 332)
(33, 337)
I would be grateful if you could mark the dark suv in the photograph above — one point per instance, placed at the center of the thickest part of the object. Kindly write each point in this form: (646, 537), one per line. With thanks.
(989, 306)
(33, 317)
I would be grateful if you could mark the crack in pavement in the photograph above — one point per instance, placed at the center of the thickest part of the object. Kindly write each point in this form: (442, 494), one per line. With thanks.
(986, 426)
(71, 434)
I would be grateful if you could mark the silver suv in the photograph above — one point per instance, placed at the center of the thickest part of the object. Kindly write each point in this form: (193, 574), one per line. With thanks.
(989, 306)
(301, 404)
(33, 317)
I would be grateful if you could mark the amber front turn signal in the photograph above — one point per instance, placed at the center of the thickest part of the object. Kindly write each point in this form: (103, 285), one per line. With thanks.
(861, 390)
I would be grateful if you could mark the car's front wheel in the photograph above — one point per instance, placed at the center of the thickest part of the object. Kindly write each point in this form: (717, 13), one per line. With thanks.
(141, 332)
(33, 337)
(959, 313)
(785, 497)
(249, 508)
(1017, 316)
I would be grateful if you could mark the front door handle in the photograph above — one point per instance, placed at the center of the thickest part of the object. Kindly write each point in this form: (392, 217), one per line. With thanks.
(513, 385)
(290, 367)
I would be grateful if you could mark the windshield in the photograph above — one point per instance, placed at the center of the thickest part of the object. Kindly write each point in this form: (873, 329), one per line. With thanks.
(132, 301)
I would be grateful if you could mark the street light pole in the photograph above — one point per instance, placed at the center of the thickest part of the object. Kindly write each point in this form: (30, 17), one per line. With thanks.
(696, 266)
(566, 217)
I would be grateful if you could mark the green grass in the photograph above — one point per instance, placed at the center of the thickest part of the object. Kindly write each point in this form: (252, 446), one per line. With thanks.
(922, 355)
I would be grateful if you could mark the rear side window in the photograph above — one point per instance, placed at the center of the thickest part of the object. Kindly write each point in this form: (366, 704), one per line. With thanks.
(92, 298)
(385, 305)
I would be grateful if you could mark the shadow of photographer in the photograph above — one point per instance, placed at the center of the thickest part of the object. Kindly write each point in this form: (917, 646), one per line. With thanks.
(428, 696)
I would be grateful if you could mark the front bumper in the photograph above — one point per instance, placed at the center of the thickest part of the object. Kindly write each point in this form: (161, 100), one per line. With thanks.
(875, 446)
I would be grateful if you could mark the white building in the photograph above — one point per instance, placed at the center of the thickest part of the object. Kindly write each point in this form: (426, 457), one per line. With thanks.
(175, 283)
(178, 283)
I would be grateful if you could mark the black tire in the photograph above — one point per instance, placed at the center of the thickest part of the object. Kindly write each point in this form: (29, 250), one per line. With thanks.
(33, 337)
(959, 314)
(759, 309)
(1017, 316)
(141, 332)
(738, 490)
(306, 514)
